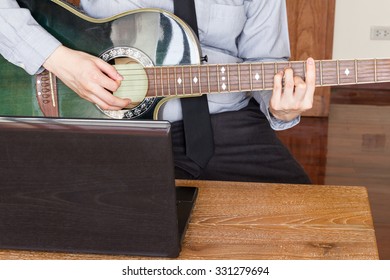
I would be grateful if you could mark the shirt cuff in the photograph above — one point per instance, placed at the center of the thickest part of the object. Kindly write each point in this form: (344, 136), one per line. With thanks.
(23, 41)
(277, 124)
(263, 98)
(40, 45)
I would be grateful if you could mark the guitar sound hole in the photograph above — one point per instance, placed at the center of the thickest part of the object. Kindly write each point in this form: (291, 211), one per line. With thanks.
(134, 84)
(130, 63)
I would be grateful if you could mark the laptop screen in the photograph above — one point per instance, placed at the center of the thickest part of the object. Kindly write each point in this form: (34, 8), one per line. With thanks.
(99, 186)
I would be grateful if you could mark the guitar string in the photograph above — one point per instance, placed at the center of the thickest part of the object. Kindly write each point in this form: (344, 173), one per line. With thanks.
(233, 83)
(362, 73)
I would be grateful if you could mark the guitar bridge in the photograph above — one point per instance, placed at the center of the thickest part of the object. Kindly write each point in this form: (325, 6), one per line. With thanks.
(46, 93)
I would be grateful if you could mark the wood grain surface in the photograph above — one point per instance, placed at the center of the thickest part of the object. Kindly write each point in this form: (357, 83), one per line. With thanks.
(234, 220)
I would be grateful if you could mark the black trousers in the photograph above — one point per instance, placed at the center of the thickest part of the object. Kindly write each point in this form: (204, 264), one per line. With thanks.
(246, 149)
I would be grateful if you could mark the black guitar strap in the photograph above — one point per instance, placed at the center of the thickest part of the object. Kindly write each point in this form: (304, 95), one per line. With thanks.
(196, 117)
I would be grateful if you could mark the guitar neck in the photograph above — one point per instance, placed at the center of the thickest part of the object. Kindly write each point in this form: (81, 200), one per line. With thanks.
(190, 80)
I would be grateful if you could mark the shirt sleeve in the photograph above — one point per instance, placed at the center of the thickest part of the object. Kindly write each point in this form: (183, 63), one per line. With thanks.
(265, 38)
(23, 41)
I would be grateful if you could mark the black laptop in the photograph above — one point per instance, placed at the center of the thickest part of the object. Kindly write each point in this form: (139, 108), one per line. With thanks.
(90, 186)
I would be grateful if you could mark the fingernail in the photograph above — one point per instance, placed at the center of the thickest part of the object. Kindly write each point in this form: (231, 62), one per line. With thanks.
(310, 61)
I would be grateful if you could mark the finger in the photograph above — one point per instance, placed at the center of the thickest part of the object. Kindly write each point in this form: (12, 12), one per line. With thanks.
(109, 70)
(114, 101)
(111, 80)
(300, 88)
(100, 95)
(107, 83)
(278, 87)
(288, 83)
(104, 105)
(310, 79)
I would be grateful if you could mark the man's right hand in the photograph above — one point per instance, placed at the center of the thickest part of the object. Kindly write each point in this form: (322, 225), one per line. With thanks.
(90, 77)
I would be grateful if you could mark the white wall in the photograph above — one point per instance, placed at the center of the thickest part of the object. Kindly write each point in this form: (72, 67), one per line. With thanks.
(353, 22)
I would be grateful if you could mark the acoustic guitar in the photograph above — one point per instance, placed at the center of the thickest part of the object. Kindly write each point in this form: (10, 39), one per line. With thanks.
(160, 58)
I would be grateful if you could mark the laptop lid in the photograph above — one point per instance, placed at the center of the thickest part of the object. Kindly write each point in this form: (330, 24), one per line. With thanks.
(84, 185)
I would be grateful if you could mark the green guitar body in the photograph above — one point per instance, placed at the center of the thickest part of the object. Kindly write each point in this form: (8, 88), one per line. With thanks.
(147, 36)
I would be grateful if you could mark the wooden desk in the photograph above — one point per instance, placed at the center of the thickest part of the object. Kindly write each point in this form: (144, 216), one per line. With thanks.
(267, 221)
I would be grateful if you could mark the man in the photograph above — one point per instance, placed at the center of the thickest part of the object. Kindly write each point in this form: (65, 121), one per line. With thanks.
(230, 31)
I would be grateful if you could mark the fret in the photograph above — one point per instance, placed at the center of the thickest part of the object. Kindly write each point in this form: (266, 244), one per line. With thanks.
(168, 81)
(183, 83)
(208, 78)
(203, 79)
(150, 76)
(159, 81)
(338, 71)
(187, 83)
(367, 71)
(275, 68)
(234, 77)
(194, 70)
(256, 76)
(321, 72)
(175, 83)
(329, 68)
(223, 81)
(250, 76)
(179, 81)
(162, 80)
(244, 77)
(200, 79)
(269, 73)
(383, 67)
(171, 81)
(228, 78)
(263, 75)
(191, 80)
(155, 81)
(165, 81)
(239, 77)
(298, 68)
(356, 71)
(347, 72)
(282, 66)
(376, 71)
(213, 77)
(218, 77)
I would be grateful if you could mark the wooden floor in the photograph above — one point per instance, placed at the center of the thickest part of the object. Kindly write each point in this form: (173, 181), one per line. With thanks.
(351, 147)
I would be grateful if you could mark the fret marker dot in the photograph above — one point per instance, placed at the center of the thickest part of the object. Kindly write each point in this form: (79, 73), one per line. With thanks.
(195, 80)
(179, 81)
(347, 72)
(257, 76)
(223, 78)
(223, 86)
(223, 70)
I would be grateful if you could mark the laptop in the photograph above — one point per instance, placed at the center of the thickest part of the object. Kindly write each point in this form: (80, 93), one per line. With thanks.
(90, 186)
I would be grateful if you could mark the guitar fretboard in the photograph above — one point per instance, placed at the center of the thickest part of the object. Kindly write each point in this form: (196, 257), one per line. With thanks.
(190, 80)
